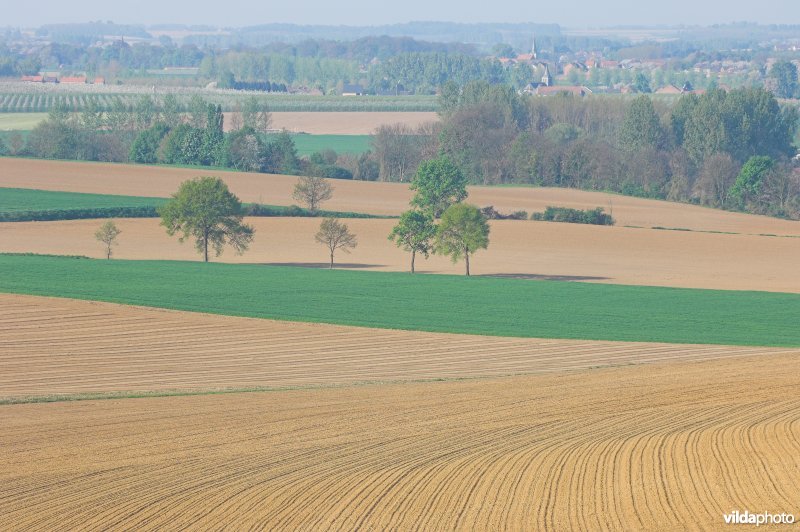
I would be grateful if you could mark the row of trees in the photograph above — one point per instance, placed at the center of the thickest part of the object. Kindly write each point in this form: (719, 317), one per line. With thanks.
(205, 211)
(440, 189)
(165, 132)
(693, 150)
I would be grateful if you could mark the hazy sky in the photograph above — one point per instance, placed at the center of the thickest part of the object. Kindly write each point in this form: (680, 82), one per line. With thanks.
(575, 13)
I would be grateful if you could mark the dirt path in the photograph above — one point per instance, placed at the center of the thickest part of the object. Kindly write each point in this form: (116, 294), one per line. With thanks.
(521, 249)
(375, 198)
(651, 447)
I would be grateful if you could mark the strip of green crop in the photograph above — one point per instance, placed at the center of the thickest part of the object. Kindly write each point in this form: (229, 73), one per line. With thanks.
(441, 303)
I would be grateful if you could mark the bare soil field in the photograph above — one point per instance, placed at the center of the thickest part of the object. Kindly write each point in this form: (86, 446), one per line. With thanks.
(521, 249)
(53, 347)
(375, 198)
(651, 447)
(342, 123)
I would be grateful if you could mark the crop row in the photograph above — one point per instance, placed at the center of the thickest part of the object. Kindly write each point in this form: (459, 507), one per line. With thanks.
(39, 102)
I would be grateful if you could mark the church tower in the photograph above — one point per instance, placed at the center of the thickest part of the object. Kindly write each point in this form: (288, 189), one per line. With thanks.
(546, 80)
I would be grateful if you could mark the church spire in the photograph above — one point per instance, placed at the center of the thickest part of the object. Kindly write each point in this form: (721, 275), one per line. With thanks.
(533, 47)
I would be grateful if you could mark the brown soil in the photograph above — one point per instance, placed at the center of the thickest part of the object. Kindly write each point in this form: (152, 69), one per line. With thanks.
(375, 198)
(653, 447)
(342, 123)
(55, 346)
(521, 249)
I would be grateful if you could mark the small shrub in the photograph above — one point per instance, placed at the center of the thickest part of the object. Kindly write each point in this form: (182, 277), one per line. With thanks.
(574, 216)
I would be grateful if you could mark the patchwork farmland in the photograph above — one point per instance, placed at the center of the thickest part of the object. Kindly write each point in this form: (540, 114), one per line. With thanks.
(567, 391)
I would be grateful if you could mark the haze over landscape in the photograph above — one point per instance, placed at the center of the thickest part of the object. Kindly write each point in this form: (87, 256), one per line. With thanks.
(333, 267)
(365, 13)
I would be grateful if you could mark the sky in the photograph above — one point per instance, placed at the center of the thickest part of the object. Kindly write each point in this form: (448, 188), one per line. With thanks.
(575, 14)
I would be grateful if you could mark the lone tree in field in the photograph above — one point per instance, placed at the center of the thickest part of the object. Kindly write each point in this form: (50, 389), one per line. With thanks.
(438, 184)
(204, 209)
(414, 232)
(462, 231)
(312, 191)
(335, 235)
(107, 234)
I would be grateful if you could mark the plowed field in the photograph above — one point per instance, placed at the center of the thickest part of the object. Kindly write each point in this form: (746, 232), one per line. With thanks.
(54, 346)
(653, 447)
(521, 249)
(374, 198)
(343, 123)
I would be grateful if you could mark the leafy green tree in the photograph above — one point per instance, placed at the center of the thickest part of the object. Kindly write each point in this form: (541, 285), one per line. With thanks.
(107, 235)
(785, 75)
(641, 127)
(461, 232)
(145, 113)
(641, 83)
(335, 235)
(205, 210)
(414, 232)
(751, 178)
(243, 150)
(145, 147)
(281, 155)
(213, 137)
(438, 184)
(171, 110)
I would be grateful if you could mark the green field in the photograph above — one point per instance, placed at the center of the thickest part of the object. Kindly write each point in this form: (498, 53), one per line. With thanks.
(478, 305)
(27, 200)
(22, 205)
(352, 144)
(20, 121)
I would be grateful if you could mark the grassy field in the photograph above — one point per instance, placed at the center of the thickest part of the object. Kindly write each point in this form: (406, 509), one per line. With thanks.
(20, 121)
(308, 144)
(21, 204)
(498, 307)
(26, 200)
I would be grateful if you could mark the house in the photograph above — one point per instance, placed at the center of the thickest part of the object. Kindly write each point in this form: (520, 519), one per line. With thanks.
(353, 90)
(568, 89)
(574, 66)
(99, 81)
(33, 79)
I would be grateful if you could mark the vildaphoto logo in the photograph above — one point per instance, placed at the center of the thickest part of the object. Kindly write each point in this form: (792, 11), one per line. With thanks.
(764, 518)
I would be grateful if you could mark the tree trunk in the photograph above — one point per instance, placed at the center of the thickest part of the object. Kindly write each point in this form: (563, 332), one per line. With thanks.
(466, 257)
(205, 245)
(331, 260)
(413, 256)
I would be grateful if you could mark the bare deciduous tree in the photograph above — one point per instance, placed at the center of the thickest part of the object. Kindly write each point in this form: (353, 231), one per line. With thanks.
(107, 234)
(335, 235)
(312, 191)
(716, 178)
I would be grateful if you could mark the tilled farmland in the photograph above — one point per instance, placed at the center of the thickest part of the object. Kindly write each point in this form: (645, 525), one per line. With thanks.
(638, 447)
(60, 348)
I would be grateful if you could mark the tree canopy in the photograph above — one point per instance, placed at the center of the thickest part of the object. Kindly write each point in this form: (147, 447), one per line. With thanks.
(438, 184)
(414, 233)
(461, 232)
(205, 210)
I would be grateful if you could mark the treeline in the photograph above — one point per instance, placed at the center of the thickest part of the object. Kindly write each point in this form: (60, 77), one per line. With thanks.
(164, 132)
(728, 149)
(324, 65)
